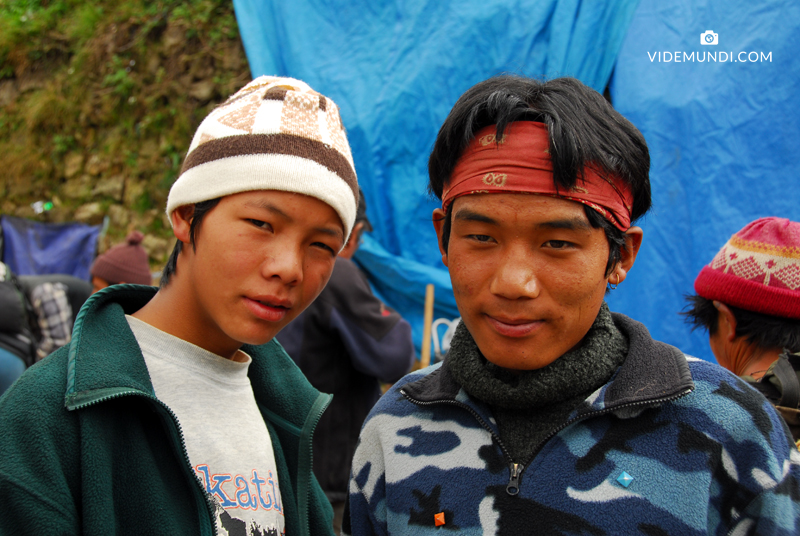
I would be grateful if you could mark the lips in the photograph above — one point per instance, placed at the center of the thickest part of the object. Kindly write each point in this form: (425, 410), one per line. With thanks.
(268, 308)
(514, 327)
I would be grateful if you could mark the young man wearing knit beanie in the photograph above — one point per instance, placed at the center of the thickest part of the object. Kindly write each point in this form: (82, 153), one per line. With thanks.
(173, 411)
(123, 263)
(550, 414)
(748, 299)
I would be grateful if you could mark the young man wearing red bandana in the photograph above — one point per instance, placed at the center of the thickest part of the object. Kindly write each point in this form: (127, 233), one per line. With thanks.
(550, 414)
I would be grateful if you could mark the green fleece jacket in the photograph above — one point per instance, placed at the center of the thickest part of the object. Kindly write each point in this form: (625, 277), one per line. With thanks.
(87, 448)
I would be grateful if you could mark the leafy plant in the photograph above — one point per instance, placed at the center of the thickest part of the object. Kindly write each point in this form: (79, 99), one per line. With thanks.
(108, 80)
(119, 78)
(62, 144)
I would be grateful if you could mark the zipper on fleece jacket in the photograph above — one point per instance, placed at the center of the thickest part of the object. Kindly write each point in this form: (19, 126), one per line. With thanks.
(79, 401)
(516, 469)
(305, 459)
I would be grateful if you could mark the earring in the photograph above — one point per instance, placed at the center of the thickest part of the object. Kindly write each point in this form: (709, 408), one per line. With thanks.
(613, 286)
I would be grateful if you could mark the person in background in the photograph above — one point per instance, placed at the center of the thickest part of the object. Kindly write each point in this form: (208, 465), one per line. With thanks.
(346, 342)
(51, 303)
(173, 410)
(17, 329)
(56, 299)
(748, 299)
(11, 367)
(123, 263)
(37, 313)
(550, 414)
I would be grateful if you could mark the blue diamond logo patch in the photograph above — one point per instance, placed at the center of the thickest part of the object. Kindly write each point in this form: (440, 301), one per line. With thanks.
(625, 479)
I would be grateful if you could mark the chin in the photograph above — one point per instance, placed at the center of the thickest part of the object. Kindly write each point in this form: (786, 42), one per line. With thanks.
(516, 356)
(521, 364)
(256, 338)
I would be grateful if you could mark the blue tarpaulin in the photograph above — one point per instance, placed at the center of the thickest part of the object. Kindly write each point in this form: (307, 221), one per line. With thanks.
(723, 136)
(395, 69)
(37, 248)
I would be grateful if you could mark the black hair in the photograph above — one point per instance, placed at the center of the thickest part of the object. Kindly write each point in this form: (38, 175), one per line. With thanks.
(200, 211)
(584, 129)
(765, 331)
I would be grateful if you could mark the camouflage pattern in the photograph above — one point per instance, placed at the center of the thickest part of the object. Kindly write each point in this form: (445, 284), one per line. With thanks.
(670, 445)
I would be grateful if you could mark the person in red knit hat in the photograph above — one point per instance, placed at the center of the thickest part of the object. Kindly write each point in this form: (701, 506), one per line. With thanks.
(123, 263)
(748, 299)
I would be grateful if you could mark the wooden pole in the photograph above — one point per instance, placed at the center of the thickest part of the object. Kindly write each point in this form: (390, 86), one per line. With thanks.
(425, 357)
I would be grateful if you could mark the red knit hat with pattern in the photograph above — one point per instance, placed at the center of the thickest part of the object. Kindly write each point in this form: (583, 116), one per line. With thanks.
(758, 269)
(125, 262)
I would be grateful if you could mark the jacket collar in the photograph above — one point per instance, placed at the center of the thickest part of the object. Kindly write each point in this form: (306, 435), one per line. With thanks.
(652, 372)
(105, 360)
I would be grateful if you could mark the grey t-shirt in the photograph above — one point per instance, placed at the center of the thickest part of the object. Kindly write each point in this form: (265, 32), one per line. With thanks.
(226, 438)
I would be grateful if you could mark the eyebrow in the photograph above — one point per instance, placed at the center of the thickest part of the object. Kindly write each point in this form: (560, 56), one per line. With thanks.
(567, 223)
(470, 215)
(572, 224)
(270, 208)
(336, 233)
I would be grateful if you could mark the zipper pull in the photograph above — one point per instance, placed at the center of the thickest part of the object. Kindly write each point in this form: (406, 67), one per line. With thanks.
(513, 480)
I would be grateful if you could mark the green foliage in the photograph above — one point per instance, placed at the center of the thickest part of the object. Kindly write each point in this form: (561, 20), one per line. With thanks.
(47, 112)
(29, 22)
(62, 144)
(81, 25)
(143, 203)
(119, 78)
(173, 167)
(109, 80)
(6, 70)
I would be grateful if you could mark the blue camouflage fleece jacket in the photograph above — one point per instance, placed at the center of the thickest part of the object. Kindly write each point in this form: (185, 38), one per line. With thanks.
(671, 445)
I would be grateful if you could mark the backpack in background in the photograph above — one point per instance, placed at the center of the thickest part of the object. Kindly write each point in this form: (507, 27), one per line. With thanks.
(18, 325)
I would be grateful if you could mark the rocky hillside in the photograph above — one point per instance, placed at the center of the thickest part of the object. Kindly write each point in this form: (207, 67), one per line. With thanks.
(98, 103)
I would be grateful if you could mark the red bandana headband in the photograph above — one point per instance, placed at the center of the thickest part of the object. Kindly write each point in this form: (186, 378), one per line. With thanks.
(521, 163)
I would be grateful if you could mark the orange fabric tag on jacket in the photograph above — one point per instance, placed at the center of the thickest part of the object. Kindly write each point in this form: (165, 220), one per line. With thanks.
(439, 519)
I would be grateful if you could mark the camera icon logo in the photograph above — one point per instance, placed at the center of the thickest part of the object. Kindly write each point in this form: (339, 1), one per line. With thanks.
(709, 38)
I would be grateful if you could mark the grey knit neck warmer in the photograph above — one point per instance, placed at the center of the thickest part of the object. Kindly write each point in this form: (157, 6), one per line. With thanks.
(579, 371)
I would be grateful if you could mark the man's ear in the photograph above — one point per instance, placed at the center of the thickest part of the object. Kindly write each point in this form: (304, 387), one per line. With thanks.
(727, 321)
(438, 224)
(182, 222)
(633, 241)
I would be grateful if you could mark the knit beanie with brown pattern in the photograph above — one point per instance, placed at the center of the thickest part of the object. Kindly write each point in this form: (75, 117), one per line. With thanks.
(124, 263)
(273, 134)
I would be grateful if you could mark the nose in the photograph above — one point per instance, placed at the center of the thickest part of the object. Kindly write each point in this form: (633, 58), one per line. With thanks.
(515, 277)
(284, 264)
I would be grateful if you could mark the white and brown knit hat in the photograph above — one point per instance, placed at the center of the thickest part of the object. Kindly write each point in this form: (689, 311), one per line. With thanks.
(273, 134)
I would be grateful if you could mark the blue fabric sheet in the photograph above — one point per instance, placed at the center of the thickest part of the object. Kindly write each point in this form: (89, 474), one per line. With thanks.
(395, 69)
(723, 137)
(37, 248)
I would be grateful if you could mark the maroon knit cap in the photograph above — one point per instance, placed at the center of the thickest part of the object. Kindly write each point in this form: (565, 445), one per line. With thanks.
(125, 262)
(758, 269)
